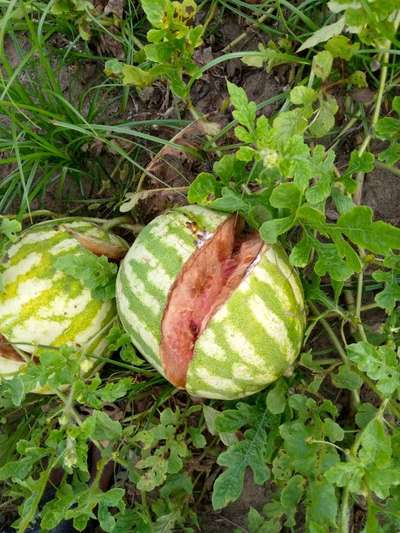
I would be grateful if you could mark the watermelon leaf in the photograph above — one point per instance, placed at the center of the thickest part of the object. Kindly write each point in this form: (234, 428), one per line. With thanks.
(380, 364)
(95, 273)
(246, 453)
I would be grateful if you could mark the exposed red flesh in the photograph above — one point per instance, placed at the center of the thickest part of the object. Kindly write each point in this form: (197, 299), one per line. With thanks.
(7, 351)
(204, 284)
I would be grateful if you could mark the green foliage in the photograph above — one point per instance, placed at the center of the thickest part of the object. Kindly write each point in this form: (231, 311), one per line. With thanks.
(298, 439)
(75, 424)
(89, 18)
(371, 467)
(62, 439)
(295, 441)
(373, 22)
(248, 452)
(10, 228)
(390, 295)
(164, 450)
(172, 42)
(95, 273)
(119, 340)
(283, 167)
(380, 364)
(388, 128)
(77, 10)
(272, 56)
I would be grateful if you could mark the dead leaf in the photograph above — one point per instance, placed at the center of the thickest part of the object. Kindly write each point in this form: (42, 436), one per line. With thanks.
(174, 166)
(363, 96)
(115, 7)
(191, 137)
(107, 45)
(97, 246)
(133, 198)
(8, 351)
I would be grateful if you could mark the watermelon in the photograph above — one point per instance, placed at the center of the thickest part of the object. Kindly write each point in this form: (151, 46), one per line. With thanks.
(212, 307)
(40, 305)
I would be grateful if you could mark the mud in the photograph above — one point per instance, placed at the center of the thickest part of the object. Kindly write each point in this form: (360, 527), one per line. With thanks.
(235, 515)
(381, 191)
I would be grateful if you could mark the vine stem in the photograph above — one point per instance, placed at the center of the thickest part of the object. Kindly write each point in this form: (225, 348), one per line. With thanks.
(331, 334)
(122, 222)
(338, 345)
(377, 110)
(361, 175)
(393, 170)
(210, 16)
(344, 520)
(33, 214)
(360, 283)
(390, 405)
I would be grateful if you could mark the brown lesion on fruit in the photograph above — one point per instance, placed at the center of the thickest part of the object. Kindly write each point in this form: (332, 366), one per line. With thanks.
(192, 226)
(7, 351)
(201, 236)
(206, 281)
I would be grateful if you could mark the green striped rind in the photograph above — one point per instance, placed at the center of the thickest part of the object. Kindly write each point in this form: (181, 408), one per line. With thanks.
(150, 268)
(42, 306)
(254, 337)
(251, 340)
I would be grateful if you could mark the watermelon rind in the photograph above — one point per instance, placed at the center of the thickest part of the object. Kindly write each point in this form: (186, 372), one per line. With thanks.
(150, 267)
(42, 306)
(251, 340)
(255, 336)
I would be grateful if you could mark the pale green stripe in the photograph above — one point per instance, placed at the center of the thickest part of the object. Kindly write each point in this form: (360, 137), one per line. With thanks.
(142, 270)
(152, 321)
(167, 258)
(242, 319)
(288, 317)
(131, 326)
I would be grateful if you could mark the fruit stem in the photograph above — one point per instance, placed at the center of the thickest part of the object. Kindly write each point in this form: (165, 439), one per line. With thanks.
(123, 222)
(33, 214)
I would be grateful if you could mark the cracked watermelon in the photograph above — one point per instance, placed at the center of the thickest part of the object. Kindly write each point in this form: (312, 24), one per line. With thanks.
(40, 305)
(212, 307)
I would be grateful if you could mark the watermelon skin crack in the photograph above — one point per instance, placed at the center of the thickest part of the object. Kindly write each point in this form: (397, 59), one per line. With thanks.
(255, 336)
(205, 282)
(151, 267)
(241, 333)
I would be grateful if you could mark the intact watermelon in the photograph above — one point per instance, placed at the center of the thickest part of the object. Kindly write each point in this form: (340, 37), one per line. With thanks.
(212, 307)
(43, 306)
